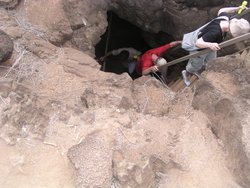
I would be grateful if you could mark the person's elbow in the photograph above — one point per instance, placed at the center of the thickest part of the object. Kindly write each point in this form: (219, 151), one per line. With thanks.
(220, 11)
(229, 10)
(225, 9)
(199, 43)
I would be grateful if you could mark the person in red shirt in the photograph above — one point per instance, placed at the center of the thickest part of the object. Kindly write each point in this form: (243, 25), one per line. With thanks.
(151, 60)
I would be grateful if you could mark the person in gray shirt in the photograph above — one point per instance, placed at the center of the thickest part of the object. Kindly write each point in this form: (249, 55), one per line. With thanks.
(130, 56)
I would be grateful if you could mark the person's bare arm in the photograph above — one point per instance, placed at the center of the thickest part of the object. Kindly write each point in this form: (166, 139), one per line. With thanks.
(175, 43)
(149, 70)
(103, 58)
(229, 9)
(200, 43)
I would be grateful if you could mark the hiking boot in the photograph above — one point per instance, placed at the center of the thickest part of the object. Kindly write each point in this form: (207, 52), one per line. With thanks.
(185, 78)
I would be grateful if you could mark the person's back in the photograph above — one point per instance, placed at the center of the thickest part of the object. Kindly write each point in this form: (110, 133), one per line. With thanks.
(131, 51)
(213, 31)
(147, 64)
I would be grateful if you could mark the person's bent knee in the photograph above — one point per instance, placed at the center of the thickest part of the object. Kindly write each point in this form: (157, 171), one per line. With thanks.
(191, 69)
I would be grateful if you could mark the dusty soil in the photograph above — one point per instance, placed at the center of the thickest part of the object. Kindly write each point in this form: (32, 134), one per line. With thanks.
(65, 123)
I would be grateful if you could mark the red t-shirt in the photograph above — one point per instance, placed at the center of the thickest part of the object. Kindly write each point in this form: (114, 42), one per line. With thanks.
(146, 62)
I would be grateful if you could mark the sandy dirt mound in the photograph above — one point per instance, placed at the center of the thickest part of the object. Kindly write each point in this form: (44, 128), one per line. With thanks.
(92, 159)
(224, 97)
(144, 134)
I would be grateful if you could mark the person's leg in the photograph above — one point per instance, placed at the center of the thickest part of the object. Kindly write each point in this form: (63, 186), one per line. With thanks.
(209, 57)
(131, 66)
(194, 65)
(185, 76)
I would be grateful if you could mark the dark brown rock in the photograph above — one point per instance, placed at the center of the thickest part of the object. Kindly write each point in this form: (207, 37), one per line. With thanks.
(6, 47)
(9, 4)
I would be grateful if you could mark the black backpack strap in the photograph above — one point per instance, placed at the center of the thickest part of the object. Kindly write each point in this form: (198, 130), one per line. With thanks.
(221, 17)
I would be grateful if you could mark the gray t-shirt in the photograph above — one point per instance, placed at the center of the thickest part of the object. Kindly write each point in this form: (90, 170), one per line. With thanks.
(132, 52)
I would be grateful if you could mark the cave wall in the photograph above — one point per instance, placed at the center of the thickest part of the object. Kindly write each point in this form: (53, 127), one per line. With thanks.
(80, 23)
(174, 17)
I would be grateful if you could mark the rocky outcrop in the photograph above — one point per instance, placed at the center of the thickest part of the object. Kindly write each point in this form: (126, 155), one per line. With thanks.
(49, 19)
(9, 4)
(147, 174)
(199, 4)
(227, 92)
(21, 116)
(80, 24)
(119, 132)
(173, 17)
(88, 21)
(92, 161)
(9, 25)
(6, 47)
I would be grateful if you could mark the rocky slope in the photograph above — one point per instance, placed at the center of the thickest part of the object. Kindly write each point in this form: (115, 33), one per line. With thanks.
(65, 123)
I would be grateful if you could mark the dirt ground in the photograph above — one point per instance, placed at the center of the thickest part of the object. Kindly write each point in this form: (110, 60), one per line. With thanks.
(65, 123)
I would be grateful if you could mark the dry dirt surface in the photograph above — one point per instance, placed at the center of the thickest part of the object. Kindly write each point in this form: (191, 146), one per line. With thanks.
(126, 133)
(65, 123)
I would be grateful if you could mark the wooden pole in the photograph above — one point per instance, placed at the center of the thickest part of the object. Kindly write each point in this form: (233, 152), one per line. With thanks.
(198, 53)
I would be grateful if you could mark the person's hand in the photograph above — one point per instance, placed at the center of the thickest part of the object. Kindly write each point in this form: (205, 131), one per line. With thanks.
(214, 46)
(175, 43)
(154, 68)
(242, 7)
(102, 58)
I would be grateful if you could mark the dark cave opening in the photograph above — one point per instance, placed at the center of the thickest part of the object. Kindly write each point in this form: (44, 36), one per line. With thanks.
(123, 34)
